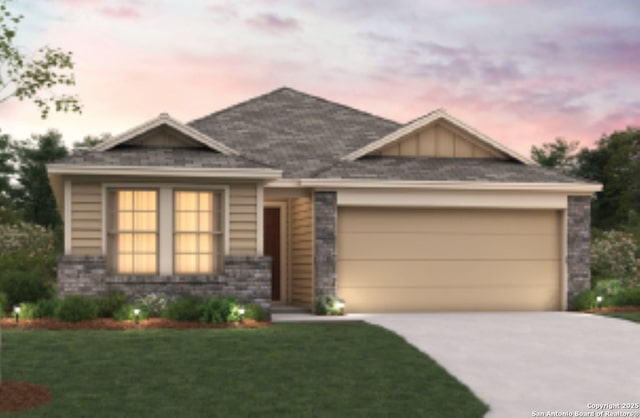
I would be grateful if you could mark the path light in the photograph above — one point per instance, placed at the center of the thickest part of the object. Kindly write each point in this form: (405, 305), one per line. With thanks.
(599, 300)
(340, 304)
(16, 309)
(136, 312)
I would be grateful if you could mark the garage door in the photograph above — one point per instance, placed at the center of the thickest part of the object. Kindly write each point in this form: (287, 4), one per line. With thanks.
(404, 260)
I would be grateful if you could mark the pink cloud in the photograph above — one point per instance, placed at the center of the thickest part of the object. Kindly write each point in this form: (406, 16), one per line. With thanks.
(81, 2)
(273, 23)
(120, 12)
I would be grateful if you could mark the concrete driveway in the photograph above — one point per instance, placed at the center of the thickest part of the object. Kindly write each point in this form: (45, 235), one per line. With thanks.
(529, 364)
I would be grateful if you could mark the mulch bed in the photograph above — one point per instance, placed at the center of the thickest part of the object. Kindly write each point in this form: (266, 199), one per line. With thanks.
(19, 396)
(113, 325)
(609, 309)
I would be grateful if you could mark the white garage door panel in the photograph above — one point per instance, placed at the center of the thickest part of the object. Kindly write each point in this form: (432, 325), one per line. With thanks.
(415, 246)
(373, 273)
(394, 260)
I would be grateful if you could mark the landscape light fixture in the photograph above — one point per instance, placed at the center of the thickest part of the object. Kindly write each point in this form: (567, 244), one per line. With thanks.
(16, 309)
(136, 312)
(241, 312)
(599, 300)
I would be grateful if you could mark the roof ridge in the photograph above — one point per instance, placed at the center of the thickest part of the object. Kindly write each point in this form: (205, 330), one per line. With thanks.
(285, 88)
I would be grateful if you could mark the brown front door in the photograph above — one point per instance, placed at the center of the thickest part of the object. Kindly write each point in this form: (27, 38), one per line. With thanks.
(272, 247)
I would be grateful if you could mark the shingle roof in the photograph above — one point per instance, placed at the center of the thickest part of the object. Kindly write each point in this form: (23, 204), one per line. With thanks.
(167, 157)
(443, 169)
(293, 131)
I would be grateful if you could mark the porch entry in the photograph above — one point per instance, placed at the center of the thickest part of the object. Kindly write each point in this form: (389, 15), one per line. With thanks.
(272, 247)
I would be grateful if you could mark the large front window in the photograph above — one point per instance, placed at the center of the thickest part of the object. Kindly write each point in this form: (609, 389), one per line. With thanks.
(197, 232)
(133, 231)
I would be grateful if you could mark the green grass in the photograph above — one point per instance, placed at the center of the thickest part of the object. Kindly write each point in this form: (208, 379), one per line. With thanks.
(287, 370)
(631, 316)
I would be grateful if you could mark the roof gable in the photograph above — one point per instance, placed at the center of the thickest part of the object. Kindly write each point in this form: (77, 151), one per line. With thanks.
(437, 134)
(157, 132)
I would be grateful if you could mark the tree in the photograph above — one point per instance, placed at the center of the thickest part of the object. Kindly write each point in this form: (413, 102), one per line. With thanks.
(91, 141)
(559, 155)
(34, 195)
(34, 77)
(615, 162)
(6, 170)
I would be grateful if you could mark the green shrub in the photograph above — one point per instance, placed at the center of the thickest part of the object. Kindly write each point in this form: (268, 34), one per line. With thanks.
(614, 254)
(627, 297)
(185, 309)
(220, 310)
(255, 312)
(608, 287)
(27, 247)
(25, 286)
(584, 300)
(28, 310)
(77, 308)
(46, 308)
(152, 304)
(328, 305)
(4, 303)
(110, 303)
(125, 313)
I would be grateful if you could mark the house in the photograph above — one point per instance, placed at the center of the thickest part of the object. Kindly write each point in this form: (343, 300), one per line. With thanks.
(287, 197)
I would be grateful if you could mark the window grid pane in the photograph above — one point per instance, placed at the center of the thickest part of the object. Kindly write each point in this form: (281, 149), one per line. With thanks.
(195, 236)
(133, 231)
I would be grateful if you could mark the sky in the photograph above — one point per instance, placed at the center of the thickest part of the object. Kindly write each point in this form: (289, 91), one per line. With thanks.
(521, 71)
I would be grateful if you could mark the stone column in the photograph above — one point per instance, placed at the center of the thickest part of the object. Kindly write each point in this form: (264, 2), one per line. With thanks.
(578, 245)
(325, 218)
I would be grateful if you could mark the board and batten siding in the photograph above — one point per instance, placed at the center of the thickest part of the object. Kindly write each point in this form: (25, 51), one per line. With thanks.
(86, 218)
(438, 140)
(243, 219)
(301, 252)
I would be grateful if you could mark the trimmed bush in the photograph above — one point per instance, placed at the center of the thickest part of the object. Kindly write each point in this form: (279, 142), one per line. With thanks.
(255, 312)
(219, 310)
(152, 304)
(77, 308)
(110, 303)
(28, 311)
(25, 286)
(627, 297)
(185, 309)
(327, 305)
(608, 288)
(584, 300)
(46, 308)
(125, 313)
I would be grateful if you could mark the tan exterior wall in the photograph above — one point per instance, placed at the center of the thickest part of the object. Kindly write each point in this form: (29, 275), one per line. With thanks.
(449, 259)
(301, 252)
(86, 214)
(86, 218)
(439, 140)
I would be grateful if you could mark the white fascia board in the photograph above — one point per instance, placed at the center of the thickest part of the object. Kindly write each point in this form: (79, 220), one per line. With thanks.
(284, 183)
(244, 173)
(426, 120)
(577, 188)
(165, 119)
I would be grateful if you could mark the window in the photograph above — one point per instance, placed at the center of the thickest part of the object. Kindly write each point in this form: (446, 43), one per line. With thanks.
(133, 231)
(197, 232)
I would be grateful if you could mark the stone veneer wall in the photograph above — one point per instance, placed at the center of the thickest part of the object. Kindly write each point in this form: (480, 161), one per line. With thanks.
(578, 245)
(247, 278)
(325, 223)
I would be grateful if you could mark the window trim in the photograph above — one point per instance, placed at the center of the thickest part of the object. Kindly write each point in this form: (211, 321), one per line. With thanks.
(107, 230)
(165, 232)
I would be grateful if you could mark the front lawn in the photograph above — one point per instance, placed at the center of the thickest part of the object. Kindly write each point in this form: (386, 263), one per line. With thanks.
(296, 370)
(631, 316)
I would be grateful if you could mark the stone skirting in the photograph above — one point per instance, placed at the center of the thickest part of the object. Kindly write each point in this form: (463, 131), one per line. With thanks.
(247, 278)
(578, 245)
(325, 223)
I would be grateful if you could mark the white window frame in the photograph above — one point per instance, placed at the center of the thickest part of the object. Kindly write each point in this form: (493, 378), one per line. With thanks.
(165, 217)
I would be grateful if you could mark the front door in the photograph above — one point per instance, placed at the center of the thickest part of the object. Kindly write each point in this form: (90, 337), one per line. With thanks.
(272, 247)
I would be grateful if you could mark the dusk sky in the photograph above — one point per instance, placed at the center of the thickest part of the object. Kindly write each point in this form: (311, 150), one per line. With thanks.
(522, 72)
